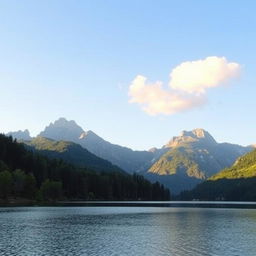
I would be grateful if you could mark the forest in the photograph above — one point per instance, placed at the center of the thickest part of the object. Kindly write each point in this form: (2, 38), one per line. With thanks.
(28, 174)
(236, 183)
(242, 189)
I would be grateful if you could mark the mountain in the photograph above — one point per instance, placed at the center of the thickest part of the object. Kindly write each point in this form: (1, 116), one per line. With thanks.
(236, 183)
(200, 136)
(127, 159)
(28, 174)
(191, 158)
(181, 164)
(62, 129)
(71, 153)
(244, 167)
(20, 135)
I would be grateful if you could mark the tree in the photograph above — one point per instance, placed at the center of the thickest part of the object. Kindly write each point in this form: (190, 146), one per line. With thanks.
(51, 190)
(18, 182)
(24, 171)
(3, 166)
(30, 186)
(5, 184)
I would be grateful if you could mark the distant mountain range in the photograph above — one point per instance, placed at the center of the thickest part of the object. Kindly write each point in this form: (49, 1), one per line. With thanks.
(183, 162)
(127, 159)
(20, 135)
(191, 158)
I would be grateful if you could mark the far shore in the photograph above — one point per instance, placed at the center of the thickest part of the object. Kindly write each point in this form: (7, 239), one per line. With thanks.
(102, 203)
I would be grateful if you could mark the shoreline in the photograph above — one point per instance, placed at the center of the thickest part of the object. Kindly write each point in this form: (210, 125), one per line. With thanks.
(102, 203)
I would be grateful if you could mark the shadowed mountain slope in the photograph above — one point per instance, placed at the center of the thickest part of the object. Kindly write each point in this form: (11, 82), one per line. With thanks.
(71, 153)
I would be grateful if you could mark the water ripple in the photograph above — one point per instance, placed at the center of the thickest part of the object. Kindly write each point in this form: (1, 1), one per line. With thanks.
(65, 231)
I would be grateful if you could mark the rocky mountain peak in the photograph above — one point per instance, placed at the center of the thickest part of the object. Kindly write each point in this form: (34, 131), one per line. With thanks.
(196, 135)
(20, 135)
(201, 133)
(62, 129)
(63, 122)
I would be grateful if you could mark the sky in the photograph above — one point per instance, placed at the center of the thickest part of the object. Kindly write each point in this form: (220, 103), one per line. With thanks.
(134, 72)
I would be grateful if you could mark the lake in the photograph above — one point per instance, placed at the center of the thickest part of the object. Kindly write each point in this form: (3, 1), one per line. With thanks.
(178, 231)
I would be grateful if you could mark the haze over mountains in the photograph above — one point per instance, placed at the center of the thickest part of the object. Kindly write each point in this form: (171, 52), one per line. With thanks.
(20, 135)
(182, 163)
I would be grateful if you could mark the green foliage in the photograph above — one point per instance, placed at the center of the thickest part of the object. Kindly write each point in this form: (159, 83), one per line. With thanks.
(32, 175)
(223, 189)
(244, 167)
(5, 184)
(3, 166)
(51, 190)
(235, 183)
(178, 160)
(196, 157)
(70, 152)
(18, 182)
(30, 188)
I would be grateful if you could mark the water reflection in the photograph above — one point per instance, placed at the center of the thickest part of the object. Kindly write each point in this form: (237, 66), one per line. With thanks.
(127, 231)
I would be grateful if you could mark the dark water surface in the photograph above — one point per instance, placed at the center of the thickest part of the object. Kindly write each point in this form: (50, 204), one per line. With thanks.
(127, 231)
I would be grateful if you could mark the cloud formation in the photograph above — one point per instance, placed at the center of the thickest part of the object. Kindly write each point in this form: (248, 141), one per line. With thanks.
(156, 100)
(187, 87)
(197, 76)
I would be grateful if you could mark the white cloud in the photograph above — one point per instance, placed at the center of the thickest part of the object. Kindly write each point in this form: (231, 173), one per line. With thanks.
(197, 76)
(156, 100)
(188, 85)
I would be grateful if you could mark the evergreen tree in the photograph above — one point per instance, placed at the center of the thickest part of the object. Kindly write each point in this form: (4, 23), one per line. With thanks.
(5, 184)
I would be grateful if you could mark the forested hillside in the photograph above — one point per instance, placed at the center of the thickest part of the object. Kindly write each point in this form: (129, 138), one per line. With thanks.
(244, 167)
(28, 174)
(235, 183)
(70, 152)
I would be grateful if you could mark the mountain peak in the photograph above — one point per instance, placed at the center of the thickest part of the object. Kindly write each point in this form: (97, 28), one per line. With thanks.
(62, 129)
(20, 135)
(62, 121)
(196, 135)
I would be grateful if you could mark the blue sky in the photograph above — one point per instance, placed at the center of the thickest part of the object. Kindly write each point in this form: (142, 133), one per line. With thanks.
(77, 59)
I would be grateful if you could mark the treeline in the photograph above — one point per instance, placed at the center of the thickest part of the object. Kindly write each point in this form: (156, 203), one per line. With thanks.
(244, 167)
(243, 189)
(27, 174)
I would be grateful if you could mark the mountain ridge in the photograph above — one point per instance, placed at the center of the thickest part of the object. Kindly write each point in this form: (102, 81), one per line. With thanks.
(70, 152)
(183, 161)
(194, 155)
(124, 157)
(20, 135)
(195, 135)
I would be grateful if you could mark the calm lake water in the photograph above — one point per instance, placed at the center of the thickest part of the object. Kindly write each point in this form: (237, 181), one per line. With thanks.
(127, 231)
